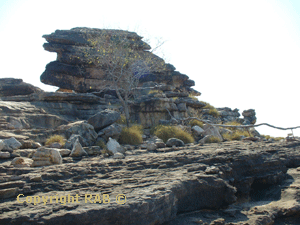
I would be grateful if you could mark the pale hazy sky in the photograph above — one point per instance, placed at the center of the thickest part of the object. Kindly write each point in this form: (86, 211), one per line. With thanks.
(241, 53)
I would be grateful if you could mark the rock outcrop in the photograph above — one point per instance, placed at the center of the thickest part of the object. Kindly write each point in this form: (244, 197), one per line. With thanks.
(13, 87)
(76, 69)
(46, 156)
(77, 52)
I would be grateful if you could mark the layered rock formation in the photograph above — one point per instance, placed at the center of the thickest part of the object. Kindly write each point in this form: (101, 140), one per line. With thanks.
(158, 186)
(80, 65)
(12, 87)
(82, 59)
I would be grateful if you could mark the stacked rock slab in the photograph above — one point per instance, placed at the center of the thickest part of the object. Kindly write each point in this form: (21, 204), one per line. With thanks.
(75, 67)
(11, 87)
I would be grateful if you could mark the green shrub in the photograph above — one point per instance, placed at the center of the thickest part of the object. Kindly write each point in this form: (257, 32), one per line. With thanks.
(233, 123)
(155, 92)
(236, 135)
(213, 139)
(131, 135)
(196, 122)
(275, 138)
(56, 138)
(214, 112)
(166, 132)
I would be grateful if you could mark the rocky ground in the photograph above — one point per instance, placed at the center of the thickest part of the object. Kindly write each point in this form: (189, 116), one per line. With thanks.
(239, 182)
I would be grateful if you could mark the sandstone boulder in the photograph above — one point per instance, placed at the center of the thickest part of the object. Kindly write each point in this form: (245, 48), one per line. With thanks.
(103, 119)
(151, 146)
(21, 162)
(12, 87)
(159, 143)
(205, 139)
(64, 152)
(9, 192)
(4, 155)
(213, 131)
(249, 116)
(77, 150)
(46, 156)
(71, 141)
(113, 131)
(29, 144)
(197, 130)
(113, 146)
(118, 155)
(81, 128)
(174, 142)
(11, 144)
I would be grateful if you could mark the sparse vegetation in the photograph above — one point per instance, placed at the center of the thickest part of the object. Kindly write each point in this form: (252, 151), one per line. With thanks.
(56, 138)
(122, 120)
(193, 97)
(236, 135)
(212, 110)
(232, 123)
(155, 92)
(101, 144)
(166, 132)
(131, 135)
(270, 137)
(213, 139)
(196, 122)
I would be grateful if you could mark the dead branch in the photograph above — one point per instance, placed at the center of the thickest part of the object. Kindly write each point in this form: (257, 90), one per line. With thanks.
(233, 126)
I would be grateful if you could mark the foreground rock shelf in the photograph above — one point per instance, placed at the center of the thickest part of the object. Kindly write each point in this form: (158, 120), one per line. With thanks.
(157, 185)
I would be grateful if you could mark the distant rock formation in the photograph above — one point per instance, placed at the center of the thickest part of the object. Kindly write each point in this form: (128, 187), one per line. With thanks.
(12, 87)
(75, 70)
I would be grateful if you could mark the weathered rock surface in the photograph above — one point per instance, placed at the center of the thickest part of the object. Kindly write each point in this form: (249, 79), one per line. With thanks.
(12, 87)
(158, 186)
(77, 150)
(21, 162)
(103, 119)
(75, 67)
(4, 155)
(113, 131)
(44, 110)
(46, 156)
(228, 115)
(11, 144)
(174, 142)
(85, 130)
(113, 146)
(212, 130)
(249, 116)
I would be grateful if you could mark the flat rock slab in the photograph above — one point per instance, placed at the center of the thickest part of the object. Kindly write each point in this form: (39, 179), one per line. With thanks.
(157, 186)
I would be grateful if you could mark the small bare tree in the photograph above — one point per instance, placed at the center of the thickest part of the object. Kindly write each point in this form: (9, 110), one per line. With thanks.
(124, 59)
